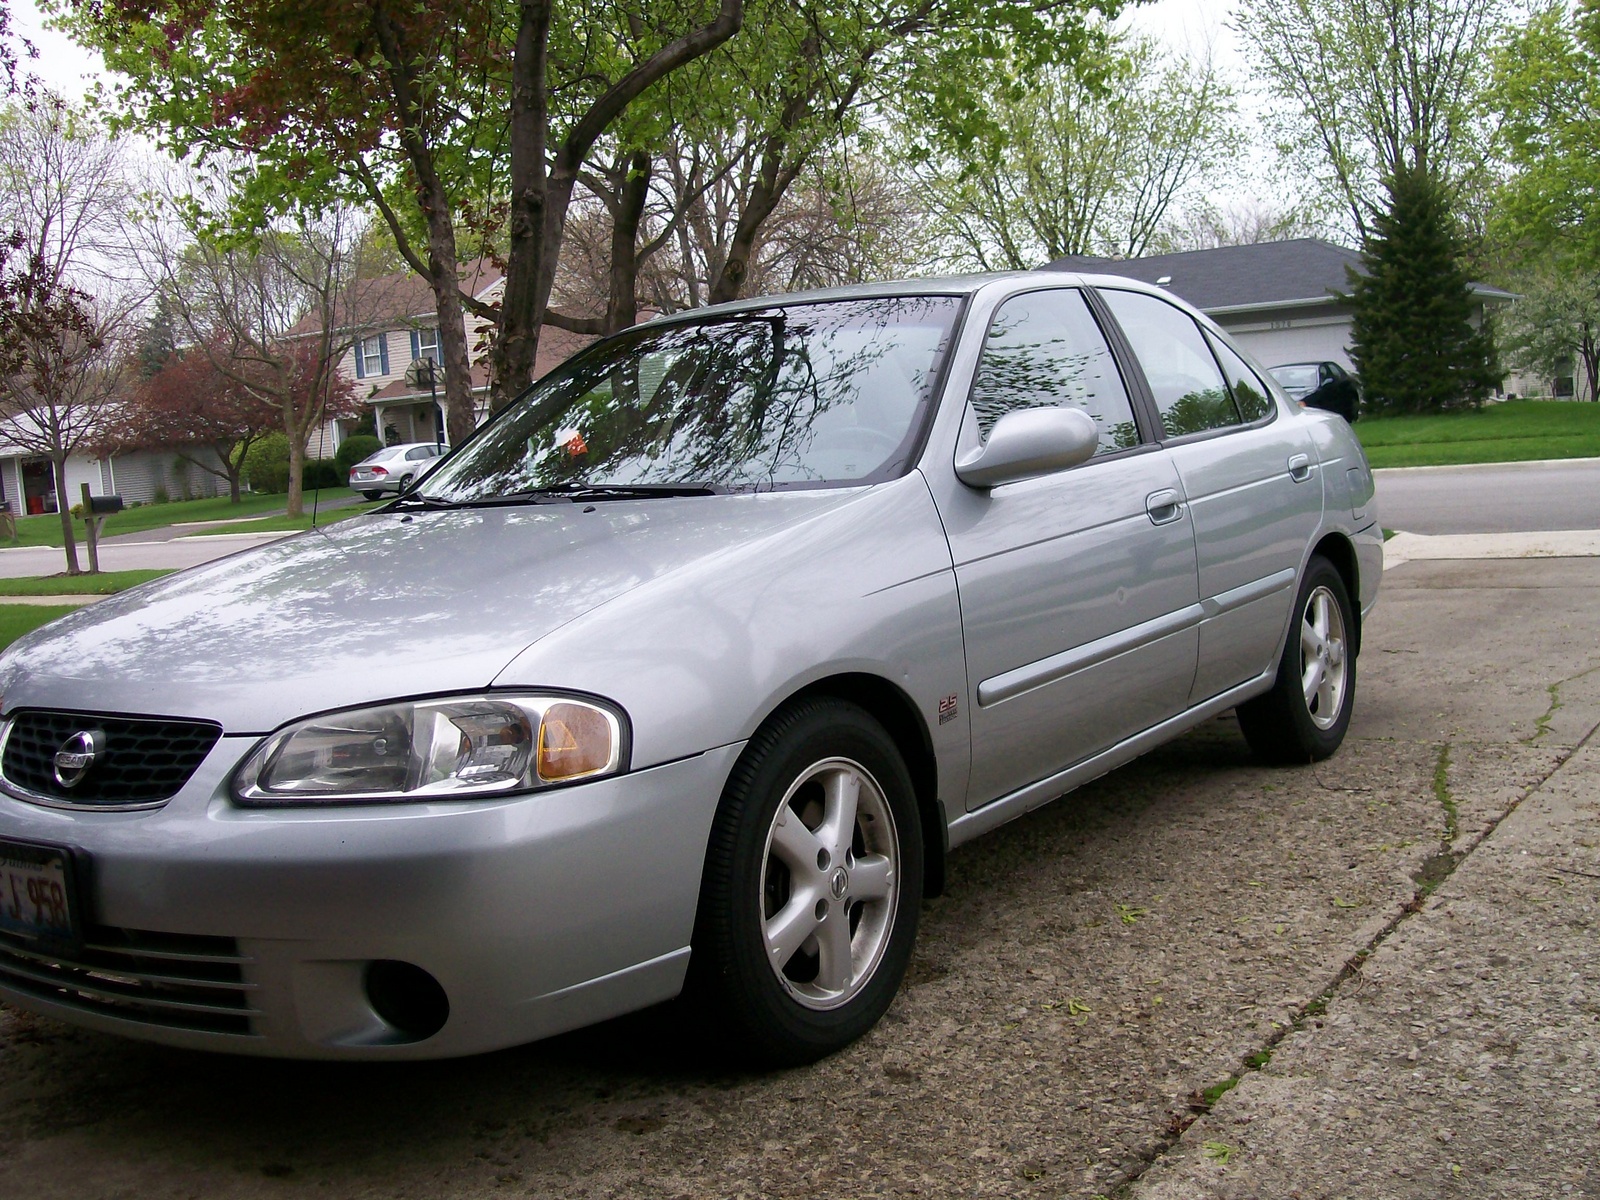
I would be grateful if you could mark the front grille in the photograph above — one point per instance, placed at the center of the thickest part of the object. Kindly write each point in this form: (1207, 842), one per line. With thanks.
(145, 760)
(177, 981)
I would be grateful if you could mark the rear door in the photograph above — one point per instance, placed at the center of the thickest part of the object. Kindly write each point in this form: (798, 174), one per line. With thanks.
(1250, 475)
(1077, 588)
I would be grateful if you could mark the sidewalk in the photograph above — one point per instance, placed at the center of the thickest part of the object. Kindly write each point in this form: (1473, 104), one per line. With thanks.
(1564, 543)
(23, 561)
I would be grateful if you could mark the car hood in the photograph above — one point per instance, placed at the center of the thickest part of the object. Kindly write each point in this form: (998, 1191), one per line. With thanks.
(377, 607)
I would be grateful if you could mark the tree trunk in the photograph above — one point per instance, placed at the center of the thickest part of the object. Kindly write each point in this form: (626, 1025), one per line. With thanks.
(297, 466)
(622, 309)
(760, 204)
(443, 273)
(1589, 352)
(232, 470)
(58, 465)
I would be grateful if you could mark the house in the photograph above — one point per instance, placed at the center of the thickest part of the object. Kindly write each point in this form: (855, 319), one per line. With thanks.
(402, 330)
(28, 482)
(1282, 301)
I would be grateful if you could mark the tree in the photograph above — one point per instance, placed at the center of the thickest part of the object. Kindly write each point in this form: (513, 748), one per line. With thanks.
(1547, 94)
(64, 196)
(272, 313)
(1206, 225)
(427, 102)
(1413, 338)
(1555, 324)
(1369, 87)
(197, 411)
(1089, 158)
(846, 219)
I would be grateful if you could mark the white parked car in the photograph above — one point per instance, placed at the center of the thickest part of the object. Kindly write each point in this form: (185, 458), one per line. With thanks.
(394, 468)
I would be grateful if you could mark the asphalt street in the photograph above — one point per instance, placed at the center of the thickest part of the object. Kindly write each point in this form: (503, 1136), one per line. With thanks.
(1497, 498)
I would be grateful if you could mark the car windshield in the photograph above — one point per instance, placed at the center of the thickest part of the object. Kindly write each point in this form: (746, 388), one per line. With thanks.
(1303, 376)
(795, 395)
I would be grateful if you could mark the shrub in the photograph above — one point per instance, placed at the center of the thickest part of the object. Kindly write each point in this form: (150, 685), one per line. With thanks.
(322, 473)
(266, 466)
(352, 450)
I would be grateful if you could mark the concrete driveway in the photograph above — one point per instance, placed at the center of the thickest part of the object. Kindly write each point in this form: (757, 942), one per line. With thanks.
(1390, 951)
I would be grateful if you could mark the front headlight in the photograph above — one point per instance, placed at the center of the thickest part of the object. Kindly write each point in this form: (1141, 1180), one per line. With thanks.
(454, 748)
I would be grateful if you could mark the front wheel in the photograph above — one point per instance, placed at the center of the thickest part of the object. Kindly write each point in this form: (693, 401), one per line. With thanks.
(809, 903)
(1305, 715)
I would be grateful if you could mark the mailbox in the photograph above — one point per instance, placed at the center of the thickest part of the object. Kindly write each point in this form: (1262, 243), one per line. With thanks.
(99, 506)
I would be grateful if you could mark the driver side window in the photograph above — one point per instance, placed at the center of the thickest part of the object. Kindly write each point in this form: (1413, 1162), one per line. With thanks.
(1045, 350)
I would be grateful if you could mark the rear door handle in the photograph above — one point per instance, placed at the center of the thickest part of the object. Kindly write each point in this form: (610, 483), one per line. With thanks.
(1164, 506)
(1299, 468)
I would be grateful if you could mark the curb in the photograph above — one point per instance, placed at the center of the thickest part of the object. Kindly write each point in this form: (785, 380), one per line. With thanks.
(1560, 543)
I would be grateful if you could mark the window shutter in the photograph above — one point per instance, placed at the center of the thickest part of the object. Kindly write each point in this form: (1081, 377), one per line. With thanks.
(416, 347)
(383, 352)
(361, 367)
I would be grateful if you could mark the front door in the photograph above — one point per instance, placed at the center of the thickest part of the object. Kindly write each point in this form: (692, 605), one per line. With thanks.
(1251, 479)
(1078, 593)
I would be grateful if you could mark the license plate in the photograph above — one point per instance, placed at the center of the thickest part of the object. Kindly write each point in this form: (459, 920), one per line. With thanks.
(36, 892)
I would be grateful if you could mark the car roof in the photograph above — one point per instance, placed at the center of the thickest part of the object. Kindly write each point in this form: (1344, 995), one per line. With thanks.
(938, 285)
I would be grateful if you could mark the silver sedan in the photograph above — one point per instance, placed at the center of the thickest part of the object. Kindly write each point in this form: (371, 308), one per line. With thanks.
(725, 635)
(394, 468)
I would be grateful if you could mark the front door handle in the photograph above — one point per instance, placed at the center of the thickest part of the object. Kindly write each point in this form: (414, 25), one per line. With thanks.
(1299, 468)
(1164, 506)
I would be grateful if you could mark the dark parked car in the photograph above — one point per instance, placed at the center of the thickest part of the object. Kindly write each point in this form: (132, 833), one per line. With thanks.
(1324, 385)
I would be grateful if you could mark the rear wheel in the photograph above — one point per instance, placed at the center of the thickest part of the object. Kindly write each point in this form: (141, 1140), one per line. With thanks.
(1305, 715)
(809, 903)
(373, 495)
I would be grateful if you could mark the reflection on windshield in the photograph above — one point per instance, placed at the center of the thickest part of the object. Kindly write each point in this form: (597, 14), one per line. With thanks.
(793, 395)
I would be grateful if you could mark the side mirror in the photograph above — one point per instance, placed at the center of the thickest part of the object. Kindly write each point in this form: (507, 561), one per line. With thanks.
(1030, 442)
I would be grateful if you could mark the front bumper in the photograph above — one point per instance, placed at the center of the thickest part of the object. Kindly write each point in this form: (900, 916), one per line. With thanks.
(535, 914)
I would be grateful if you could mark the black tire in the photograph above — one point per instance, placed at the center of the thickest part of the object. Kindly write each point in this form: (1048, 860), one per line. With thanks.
(1284, 725)
(373, 495)
(405, 484)
(790, 1012)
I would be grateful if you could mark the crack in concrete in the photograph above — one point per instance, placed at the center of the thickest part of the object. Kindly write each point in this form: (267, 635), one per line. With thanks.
(1541, 724)
(1202, 1100)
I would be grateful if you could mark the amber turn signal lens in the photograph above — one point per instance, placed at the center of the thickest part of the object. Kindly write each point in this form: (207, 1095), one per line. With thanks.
(575, 740)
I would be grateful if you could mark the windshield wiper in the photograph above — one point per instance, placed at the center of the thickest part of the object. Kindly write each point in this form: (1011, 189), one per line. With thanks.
(416, 500)
(575, 492)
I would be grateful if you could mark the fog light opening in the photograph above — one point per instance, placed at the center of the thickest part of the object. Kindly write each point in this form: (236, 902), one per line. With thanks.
(407, 998)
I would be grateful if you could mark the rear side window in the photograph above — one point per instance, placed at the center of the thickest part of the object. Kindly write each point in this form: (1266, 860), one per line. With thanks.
(1045, 351)
(1189, 389)
(1249, 393)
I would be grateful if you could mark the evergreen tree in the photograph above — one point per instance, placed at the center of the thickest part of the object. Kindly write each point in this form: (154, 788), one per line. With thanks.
(1414, 341)
(158, 339)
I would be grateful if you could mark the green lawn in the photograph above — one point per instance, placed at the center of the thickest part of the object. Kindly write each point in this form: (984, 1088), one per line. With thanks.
(46, 530)
(18, 619)
(292, 524)
(1516, 431)
(104, 584)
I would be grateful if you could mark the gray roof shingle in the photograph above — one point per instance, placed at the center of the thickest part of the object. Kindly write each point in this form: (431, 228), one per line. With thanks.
(1300, 271)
